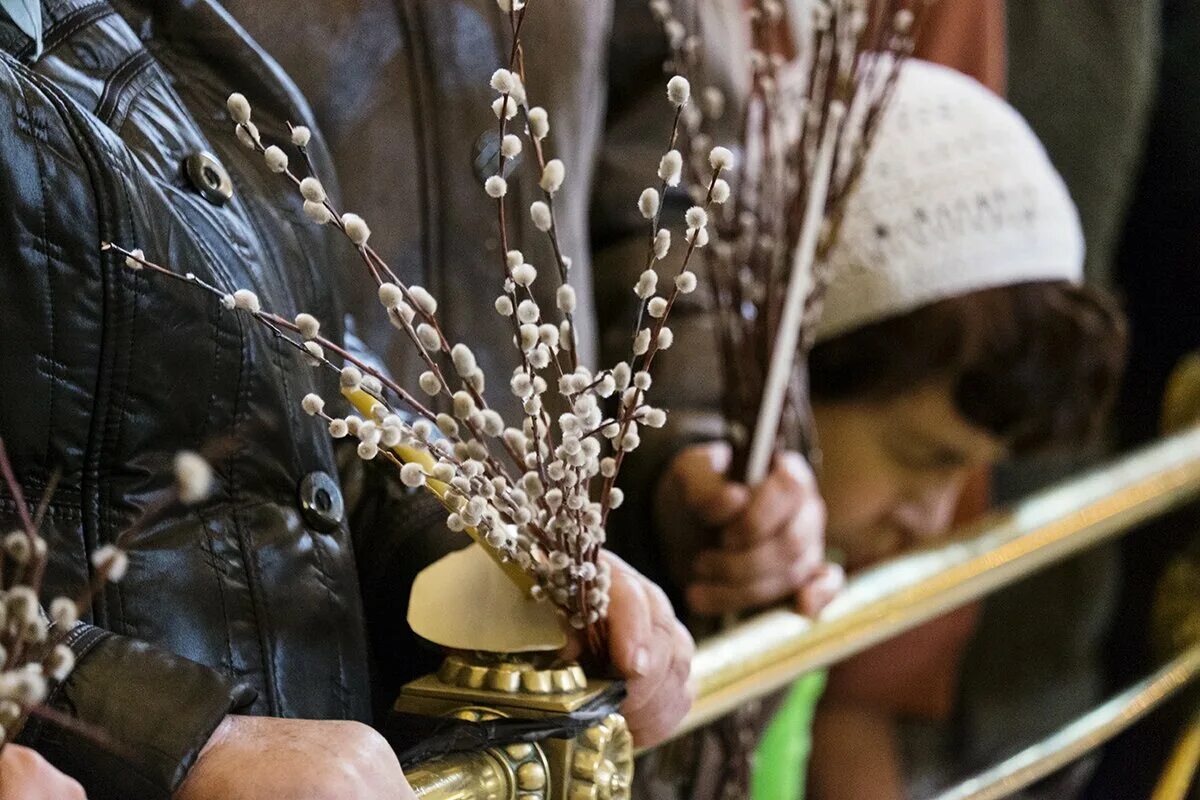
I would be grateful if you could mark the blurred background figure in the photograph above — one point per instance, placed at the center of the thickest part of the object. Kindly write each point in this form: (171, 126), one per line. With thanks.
(1112, 88)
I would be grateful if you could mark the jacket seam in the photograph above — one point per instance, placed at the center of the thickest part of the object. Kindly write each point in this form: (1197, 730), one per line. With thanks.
(74, 21)
(45, 249)
(90, 502)
(122, 87)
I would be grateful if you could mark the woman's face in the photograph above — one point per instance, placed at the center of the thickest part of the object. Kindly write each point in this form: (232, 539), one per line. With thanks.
(892, 471)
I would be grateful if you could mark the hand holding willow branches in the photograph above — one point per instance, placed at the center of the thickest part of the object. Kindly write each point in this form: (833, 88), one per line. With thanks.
(650, 648)
(769, 540)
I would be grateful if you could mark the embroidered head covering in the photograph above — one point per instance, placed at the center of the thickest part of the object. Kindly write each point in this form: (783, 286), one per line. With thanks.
(957, 195)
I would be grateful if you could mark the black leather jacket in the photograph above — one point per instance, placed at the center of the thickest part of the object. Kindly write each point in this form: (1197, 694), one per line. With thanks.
(253, 600)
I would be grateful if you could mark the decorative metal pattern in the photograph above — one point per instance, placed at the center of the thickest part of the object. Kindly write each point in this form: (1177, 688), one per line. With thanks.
(525, 765)
(512, 677)
(602, 765)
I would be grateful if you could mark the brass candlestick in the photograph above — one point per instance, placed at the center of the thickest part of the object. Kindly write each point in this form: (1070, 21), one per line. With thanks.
(595, 765)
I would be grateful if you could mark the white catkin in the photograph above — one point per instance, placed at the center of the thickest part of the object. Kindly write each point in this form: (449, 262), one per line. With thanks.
(685, 282)
(698, 236)
(430, 383)
(553, 176)
(317, 212)
(566, 298)
(64, 612)
(615, 498)
(502, 81)
(112, 561)
(351, 378)
(277, 160)
(496, 187)
(662, 244)
(312, 189)
(428, 337)
(657, 307)
(193, 477)
(524, 275)
(528, 337)
(504, 306)
(666, 338)
(247, 134)
(309, 327)
(510, 146)
(423, 299)
(239, 107)
(679, 91)
(412, 475)
(621, 374)
(528, 311)
(316, 353)
(647, 284)
(390, 295)
(356, 228)
(720, 191)
(696, 217)
(392, 436)
(641, 342)
(539, 212)
(247, 301)
(720, 158)
(464, 360)
(301, 135)
(539, 123)
(464, 405)
(372, 385)
(506, 106)
(670, 168)
(338, 428)
(135, 258)
(648, 203)
(313, 404)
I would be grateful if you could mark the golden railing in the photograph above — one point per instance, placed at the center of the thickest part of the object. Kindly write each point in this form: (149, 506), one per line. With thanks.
(769, 651)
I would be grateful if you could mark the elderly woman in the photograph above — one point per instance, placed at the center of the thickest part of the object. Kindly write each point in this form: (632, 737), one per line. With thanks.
(955, 332)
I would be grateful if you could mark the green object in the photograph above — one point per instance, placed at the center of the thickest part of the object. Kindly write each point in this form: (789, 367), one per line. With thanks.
(781, 762)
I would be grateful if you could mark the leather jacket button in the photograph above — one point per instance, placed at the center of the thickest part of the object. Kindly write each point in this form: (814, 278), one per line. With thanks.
(321, 501)
(208, 177)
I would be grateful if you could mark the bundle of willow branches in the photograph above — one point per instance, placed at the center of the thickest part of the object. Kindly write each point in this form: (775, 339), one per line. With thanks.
(534, 492)
(805, 131)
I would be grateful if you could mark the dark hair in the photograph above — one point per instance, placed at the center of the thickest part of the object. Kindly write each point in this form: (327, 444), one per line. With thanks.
(1036, 364)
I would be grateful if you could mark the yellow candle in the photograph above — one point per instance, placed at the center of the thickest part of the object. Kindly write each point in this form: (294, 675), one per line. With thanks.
(364, 402)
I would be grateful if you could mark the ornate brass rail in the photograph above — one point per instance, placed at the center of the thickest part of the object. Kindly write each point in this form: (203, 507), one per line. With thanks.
(772, 649)
(1081, 736)
(769, 651)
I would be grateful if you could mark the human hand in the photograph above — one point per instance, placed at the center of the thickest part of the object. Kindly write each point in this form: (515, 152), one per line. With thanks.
(652, 650)
(771, 539)
(25, 775)
(262, 758)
